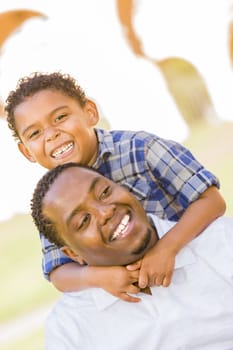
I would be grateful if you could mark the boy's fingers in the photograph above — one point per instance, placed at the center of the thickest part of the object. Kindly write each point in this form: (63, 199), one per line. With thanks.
(133, 289)
(166, 281)
(134, 275)
(159, 280)
(129, 298)
(134, 266)
(143, 281)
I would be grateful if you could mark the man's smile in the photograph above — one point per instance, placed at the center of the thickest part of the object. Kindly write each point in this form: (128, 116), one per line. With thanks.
(122, 229)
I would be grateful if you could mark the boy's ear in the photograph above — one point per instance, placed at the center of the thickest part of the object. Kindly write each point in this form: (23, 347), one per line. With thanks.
(92, 110)
(25, 152)
(72, 255)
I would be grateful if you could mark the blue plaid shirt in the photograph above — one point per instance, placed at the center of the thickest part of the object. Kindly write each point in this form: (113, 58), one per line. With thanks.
(162, 174)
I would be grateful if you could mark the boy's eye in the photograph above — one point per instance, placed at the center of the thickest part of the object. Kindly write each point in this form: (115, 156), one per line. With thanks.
(84, 221)
(60, 117)
(105, 193)
(34, 133)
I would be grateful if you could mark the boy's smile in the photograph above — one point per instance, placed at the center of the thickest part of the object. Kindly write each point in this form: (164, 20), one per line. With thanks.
(63, 151)
(102, 222)
(55, 129)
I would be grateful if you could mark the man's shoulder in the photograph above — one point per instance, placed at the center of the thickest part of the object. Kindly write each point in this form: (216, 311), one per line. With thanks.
(162, 225)
(71, 300)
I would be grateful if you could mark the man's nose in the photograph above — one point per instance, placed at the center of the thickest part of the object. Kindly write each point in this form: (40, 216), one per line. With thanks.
(51, 133)
(105, 213)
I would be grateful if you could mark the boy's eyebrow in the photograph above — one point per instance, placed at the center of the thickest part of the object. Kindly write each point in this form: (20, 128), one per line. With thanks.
(49, 114)
(76, 210)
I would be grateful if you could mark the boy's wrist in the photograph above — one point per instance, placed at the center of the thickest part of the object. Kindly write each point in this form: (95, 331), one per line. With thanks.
(94, 276)
(170, 243)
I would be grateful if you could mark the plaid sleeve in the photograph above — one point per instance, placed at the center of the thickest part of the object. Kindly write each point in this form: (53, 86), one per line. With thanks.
(52, 256)
(179, 173)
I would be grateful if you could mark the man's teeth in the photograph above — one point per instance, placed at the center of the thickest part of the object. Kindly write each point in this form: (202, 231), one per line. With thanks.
(62, 150)
(122, 228)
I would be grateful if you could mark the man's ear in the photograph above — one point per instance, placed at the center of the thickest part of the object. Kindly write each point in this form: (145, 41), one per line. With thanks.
(25, 152)
(72, 255)
(93, 114)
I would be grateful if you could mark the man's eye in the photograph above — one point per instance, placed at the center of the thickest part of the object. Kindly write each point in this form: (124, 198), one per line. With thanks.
(105, 193)
(85, 220)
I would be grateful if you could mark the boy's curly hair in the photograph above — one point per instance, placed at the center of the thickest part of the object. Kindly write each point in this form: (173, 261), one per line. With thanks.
(35, 82)
(44, 225)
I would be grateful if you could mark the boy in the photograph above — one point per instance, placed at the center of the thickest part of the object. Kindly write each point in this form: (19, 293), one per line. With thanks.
(54, 123)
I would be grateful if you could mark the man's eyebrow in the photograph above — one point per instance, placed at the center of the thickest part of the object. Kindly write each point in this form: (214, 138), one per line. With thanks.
(49, 114)
(76, 210)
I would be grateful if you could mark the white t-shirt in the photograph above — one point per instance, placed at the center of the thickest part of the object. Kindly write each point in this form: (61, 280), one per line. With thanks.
(194, 312)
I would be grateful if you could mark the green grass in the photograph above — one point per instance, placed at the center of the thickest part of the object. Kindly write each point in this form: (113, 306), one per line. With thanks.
(23, 286)
(34, 341)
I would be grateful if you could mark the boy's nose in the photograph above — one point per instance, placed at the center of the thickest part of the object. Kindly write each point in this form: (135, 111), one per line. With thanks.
(51, 134)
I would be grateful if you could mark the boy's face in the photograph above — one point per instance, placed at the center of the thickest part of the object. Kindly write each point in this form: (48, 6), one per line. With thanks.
(100, 221)
(55, 129)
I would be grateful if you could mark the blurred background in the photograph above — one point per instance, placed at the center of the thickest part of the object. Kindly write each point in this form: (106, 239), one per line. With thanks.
(165, 66)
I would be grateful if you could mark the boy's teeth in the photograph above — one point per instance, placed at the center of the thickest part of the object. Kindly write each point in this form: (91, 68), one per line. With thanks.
(122, 228)
(62, 150)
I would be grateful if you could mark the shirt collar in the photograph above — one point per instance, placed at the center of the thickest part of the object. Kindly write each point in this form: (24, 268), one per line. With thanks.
(105, 143)
(102, 299)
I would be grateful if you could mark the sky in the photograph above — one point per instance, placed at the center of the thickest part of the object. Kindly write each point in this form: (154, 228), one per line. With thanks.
(85, 39)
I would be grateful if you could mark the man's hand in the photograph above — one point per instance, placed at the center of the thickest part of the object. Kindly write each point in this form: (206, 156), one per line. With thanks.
(119, 281)
(156, 267)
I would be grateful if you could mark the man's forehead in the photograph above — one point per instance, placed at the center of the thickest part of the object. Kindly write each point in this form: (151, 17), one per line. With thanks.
(75, 179)
(79, 174)
(70, 190)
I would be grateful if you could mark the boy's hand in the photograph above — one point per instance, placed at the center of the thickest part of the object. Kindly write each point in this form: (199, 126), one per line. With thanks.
(119, 281)
(156, 267)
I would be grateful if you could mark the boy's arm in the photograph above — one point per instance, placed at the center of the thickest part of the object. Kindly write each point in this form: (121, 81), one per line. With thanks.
(116, 280)
(157, 266)
(67, 275)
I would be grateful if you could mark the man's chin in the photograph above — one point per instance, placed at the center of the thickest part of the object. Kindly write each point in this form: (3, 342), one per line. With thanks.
(144, 244)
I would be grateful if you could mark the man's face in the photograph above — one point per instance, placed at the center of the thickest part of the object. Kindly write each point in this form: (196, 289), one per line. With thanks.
(99, 220)
(55, 129)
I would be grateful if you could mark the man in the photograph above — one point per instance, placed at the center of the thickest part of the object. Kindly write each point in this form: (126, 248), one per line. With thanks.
(98, 222)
